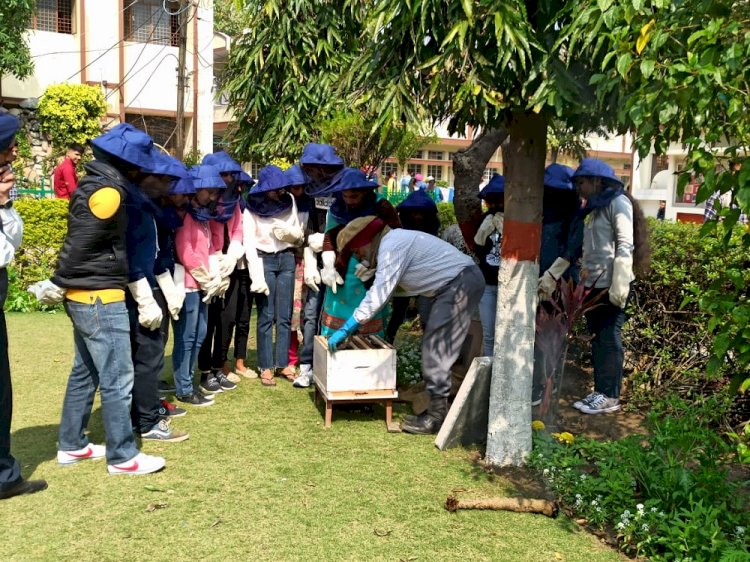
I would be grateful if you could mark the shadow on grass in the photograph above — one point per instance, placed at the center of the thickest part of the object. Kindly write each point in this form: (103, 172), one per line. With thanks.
(34, 445)
(356, 412)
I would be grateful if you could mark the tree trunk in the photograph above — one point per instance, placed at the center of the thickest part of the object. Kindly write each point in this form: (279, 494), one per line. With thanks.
(468, 168)
(509, 427)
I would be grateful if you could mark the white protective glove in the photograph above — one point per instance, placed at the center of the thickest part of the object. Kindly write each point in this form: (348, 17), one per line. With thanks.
(363, 272)
(548, 280)
(328, 274)
(223, 287)
(490, 224)
(209, 283)
(174, 297)
(257, 277)
(311, 273)
(315, 241)
(149, 312)
(622, 276)
(214, 263)
(226, 265)
(46, 292)
(291, 234)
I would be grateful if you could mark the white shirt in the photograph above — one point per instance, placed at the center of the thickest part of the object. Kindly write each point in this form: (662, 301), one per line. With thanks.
(10, 238)
(257, 231)
(410, 263)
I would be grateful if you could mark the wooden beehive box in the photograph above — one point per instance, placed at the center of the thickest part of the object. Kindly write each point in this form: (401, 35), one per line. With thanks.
(366, 363)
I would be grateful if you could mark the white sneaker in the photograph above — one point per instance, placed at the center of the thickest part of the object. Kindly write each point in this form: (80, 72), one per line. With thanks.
(139, 464)
(89, 452)
(578, 404)
(602, 404)
(305, 377)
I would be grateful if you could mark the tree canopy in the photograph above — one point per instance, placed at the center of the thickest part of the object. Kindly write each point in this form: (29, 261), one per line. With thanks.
(15, 19)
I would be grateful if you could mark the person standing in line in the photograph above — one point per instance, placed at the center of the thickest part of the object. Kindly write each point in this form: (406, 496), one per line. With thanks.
(91, 276)
(272, 231)
(487, 242)
(11, 232)
(320, 164)
(65, 177)
(615, 246)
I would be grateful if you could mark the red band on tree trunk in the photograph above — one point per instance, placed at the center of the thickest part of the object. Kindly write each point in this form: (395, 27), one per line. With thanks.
(521, 240)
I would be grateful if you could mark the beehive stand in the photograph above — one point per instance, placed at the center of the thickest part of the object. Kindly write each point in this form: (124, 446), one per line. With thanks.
(363, 371)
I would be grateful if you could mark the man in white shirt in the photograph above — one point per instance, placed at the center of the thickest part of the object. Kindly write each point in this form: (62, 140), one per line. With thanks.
(413, 263)
(11, 233)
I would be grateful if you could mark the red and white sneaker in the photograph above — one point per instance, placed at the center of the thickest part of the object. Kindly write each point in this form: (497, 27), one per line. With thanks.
(139, 464)
(89, 452)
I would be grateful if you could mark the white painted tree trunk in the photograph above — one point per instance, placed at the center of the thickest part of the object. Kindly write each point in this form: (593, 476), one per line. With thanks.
(509, 421)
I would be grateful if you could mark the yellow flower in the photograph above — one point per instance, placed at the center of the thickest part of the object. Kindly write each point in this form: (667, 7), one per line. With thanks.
(564, 437)
(537, 425)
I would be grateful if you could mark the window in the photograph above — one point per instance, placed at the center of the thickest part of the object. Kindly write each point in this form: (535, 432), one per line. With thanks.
(417, 155)
(658, 163)
(435, 171)
(53, 15)
(414, 169)
(161, 129)
(386, 168)
(255, 168)
(146, 21)
(436, 155)
(488, 173)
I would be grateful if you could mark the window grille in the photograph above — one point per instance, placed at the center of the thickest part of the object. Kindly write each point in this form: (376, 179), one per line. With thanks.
(435, 155)
(161, 129)
(147, 22)
(435, 171)
(54, 15)
(414, 169)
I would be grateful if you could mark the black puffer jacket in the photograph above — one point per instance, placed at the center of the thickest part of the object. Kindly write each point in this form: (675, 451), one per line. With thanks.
(93, 255)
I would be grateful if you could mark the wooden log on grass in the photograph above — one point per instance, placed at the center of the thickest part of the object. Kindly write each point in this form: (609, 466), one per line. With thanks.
(519, 505)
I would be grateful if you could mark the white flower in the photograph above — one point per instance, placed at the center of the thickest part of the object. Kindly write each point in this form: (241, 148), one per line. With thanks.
(626, 513)
(644, 527)
(653, 510)
(545, 472)
(598, 509)
(639, 507)
(661, 514)
(579, 496)
(593, 503)
(739, 530)
(621, 525)
(583, 477)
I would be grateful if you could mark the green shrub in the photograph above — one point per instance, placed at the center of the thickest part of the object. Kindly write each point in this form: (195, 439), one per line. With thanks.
(71, 113)
(446, 214)
(44, 228)
(665, 496)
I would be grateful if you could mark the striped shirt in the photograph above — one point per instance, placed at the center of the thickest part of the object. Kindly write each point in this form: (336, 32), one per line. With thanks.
(410, 263)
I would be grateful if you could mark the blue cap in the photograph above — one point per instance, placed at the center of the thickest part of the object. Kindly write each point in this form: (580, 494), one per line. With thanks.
(246, 179)
(9, 125)
(321, 155)
(351, 178)
(205, 176)
(557, 176)
(270, 178)
(591, 167)
(223, 162)
(495, 186)
(417, 200)
(295, 175)
(166, 165)
(182, 186)
(127, 143)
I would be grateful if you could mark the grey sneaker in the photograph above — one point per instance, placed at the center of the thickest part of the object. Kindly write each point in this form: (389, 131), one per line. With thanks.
(305, 377)
(163, 431)
(601, 404)
(224, 382)
(210, 386)
(578, 404)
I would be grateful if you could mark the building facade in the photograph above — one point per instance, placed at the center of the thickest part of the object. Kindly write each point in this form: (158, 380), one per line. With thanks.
(128, 48)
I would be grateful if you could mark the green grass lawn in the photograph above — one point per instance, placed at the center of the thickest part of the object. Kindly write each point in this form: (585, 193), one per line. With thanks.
(259, 479)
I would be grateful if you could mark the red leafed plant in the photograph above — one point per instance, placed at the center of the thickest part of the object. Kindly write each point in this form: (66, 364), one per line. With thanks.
(555, 320)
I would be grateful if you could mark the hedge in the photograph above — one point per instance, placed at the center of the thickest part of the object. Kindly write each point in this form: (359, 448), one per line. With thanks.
(45, 223)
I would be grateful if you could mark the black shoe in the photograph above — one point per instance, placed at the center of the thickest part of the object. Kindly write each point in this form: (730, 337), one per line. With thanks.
(428, 423)
(24, 487)
(165, 388)
(167, 410)
(536, 396)
(210, 386)
(196, 399)
(224, 382)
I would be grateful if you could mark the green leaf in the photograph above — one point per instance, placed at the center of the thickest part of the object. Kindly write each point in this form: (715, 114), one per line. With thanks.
(623, 64)
(468, 6)
(647, 67)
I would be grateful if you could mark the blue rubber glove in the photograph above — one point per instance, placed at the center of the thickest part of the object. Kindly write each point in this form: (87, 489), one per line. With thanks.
(349, 327)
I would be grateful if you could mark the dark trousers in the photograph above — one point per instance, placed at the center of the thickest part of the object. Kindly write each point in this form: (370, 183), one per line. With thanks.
(147, 348)
(310, 323)
(10, 472)
(209, 357)
(235, 317)
(605, 323)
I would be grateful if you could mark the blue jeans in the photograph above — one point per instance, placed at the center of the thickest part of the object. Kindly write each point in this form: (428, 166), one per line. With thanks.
(101, 333)
(605, 323)
(311, 323)
(189, 333)
(277, 306)
(488, 315)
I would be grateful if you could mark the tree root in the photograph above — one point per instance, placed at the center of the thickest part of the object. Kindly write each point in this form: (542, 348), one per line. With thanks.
(519, 505)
